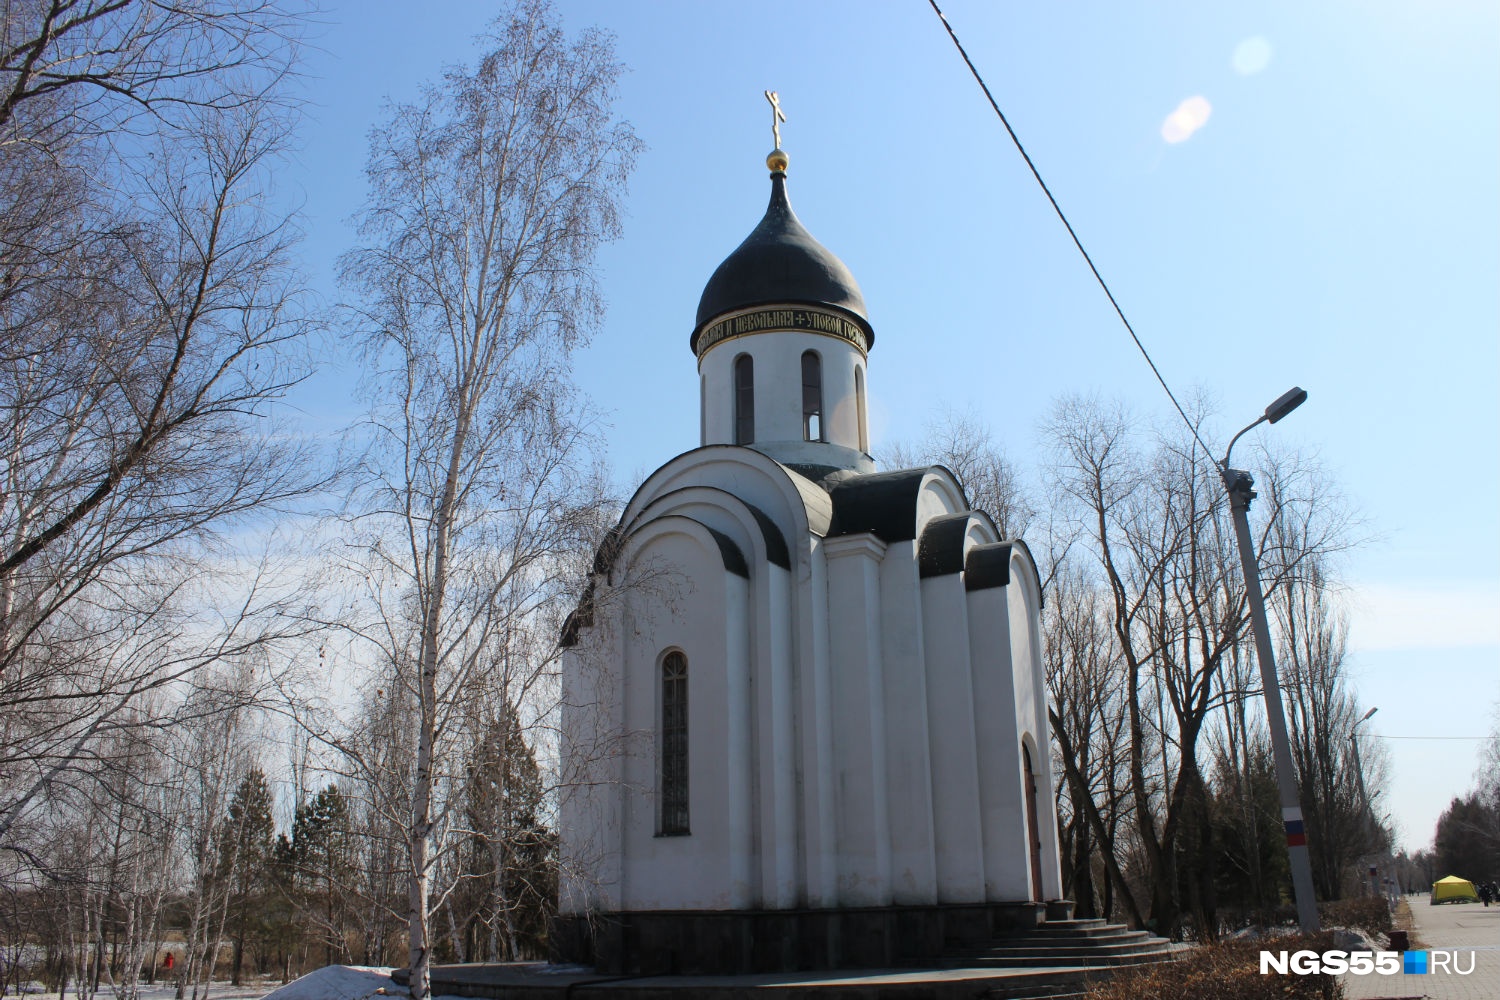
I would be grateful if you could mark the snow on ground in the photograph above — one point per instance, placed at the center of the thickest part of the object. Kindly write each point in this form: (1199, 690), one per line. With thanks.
(334, 982)
(340, 982)
(159, 991)
(216, 991)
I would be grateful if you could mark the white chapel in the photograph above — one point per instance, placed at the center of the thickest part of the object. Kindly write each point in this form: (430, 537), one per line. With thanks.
(804, 697)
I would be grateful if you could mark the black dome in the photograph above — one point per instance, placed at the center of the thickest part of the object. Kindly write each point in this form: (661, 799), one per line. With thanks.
(780, 262)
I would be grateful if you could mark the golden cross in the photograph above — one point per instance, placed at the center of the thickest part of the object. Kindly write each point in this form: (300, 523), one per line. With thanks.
(777, 116)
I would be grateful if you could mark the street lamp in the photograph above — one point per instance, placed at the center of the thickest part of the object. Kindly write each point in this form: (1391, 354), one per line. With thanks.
(1359, 772)
(1240, 487)
(1359, 775)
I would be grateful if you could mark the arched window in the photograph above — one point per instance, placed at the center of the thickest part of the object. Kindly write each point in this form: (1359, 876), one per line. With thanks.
(812, 396)
(1033, 828)
(674, 745)
(744, 399)
(859, 408)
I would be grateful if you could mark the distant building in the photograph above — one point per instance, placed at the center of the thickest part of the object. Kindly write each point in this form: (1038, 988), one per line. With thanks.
(805, 700)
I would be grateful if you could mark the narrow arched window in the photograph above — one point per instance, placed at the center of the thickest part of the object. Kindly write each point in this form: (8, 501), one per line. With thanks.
(812, 396)
(674, 745)
(744, 399)
(859, 408)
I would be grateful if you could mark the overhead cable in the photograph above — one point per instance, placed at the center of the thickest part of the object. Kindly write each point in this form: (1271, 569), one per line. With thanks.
(1069, 226)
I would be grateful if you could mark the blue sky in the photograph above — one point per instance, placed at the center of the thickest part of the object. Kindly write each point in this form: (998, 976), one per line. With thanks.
(1334, 223)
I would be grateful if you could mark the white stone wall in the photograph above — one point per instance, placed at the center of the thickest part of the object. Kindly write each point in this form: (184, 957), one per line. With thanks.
(862, 853)
(855, 730)
(958, 835)
(700, 609)
(1029, 675)
(1007, 867)
(909, 779)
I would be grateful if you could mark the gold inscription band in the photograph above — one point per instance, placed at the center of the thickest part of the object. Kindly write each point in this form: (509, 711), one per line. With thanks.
(809, 320)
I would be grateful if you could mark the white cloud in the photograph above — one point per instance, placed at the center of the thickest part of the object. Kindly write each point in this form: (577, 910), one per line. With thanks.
(1430, 616)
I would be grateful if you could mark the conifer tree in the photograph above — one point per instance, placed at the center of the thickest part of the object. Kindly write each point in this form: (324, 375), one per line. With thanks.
(246, 846)
(317, 865)
(512, 849)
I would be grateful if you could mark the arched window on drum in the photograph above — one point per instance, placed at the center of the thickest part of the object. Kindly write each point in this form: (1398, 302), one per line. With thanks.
(744, 399)
(812, 396)
(859, 408)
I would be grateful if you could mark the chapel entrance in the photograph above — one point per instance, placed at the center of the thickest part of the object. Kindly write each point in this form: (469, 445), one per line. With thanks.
(1033, 831)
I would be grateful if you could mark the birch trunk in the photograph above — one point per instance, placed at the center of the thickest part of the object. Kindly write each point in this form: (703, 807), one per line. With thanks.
(418, 914)
(488, 202)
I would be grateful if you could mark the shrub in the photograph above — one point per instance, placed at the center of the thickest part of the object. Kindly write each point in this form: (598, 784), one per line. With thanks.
(1368, 913)
(1229, 971)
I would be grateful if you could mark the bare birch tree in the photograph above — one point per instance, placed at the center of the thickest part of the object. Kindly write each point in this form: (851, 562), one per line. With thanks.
(489, 198)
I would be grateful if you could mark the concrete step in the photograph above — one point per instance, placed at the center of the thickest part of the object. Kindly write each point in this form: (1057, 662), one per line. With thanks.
(1033, 961)
(1043, 949)
(1041, 960)
(1088, 943)
(1117, 935)
(1075, 928)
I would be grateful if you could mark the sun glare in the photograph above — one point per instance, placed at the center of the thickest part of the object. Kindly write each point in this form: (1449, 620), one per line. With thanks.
(1251, 56)
(1191, 115)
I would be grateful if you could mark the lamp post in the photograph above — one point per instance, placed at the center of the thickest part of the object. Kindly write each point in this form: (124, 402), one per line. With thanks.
(1359, 772)
(1240, 487)
(1359, 775)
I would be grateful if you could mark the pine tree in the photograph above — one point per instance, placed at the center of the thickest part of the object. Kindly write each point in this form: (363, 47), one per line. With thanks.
(317, 864)
(246, 845)
(512, 848)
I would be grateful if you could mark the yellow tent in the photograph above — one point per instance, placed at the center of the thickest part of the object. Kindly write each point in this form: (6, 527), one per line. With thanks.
(1453, 890)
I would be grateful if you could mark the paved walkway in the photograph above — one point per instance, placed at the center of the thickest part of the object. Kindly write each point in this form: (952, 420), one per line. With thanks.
(1470, 929)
